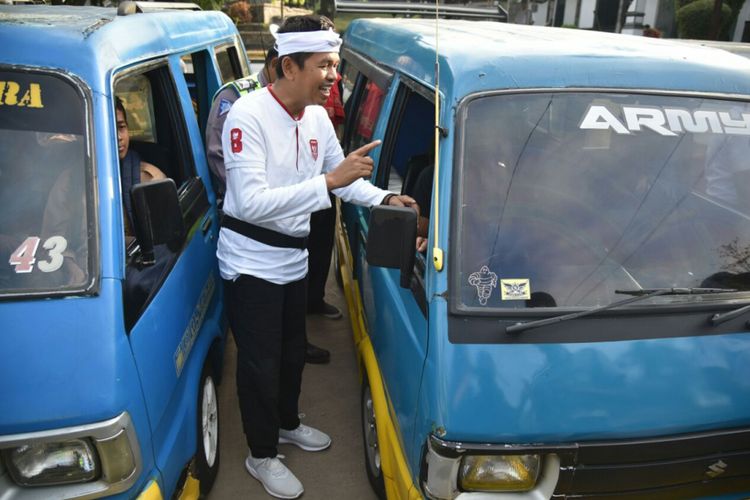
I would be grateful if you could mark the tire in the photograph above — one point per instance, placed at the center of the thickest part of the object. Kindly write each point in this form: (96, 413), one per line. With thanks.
(207, 426)
(371, 442)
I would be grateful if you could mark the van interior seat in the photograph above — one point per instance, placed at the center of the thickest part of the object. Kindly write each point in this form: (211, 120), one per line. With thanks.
(414, 166)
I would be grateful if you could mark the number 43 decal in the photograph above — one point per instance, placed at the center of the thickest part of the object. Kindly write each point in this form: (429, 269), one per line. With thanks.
(24, 257)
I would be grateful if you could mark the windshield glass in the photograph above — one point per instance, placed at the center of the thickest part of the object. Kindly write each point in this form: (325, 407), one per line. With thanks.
(44, 237)
(567, 197)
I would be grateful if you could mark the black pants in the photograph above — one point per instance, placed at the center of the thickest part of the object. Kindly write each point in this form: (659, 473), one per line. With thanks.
(320, 248)
(268, 323)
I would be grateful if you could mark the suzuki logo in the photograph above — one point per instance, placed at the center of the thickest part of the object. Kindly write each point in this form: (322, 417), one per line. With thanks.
(716, 469)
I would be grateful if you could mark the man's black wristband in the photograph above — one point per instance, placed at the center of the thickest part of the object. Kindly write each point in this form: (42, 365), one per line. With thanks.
(387, 198)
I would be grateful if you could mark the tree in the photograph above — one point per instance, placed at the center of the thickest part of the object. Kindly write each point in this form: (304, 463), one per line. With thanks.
(694, 19)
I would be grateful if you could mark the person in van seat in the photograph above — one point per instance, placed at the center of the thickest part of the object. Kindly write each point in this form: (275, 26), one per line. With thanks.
(139, 281)
(282, 159)
(423, 196)
(223, 100)
(65, 209)
(132, 169)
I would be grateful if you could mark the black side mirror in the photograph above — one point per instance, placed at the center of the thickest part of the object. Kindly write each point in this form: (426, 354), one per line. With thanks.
(391, 240)
(158, 218)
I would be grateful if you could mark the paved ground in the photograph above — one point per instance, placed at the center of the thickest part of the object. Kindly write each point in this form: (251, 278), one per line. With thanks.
(330, 401)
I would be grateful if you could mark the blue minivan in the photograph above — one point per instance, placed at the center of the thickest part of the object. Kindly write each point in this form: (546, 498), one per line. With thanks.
(111, 346)
(578, 325)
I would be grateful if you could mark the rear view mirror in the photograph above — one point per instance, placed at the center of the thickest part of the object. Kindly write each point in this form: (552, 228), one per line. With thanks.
(158, 218)
(391, 240)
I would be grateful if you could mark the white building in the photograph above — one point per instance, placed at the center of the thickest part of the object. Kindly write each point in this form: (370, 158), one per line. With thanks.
(583, 14)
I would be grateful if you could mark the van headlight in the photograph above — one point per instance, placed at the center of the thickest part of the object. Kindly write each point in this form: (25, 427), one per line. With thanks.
(498, 472)
(89, 460)
(72, 461)
(451, 469)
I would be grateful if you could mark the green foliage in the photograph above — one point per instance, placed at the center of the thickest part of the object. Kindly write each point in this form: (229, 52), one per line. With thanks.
(736, 5)
(694, 20)
(209, 4)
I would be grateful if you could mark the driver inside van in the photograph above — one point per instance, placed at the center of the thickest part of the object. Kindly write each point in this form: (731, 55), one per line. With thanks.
(139, 281)
(133, 170)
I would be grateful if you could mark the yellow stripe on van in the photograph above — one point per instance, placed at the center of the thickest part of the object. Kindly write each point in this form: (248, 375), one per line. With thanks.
(192, 489)
(152, 492)
(398, 481)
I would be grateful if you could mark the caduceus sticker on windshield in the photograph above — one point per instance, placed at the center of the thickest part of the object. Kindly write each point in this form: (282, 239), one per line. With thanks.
(515, 289)
(484, 280)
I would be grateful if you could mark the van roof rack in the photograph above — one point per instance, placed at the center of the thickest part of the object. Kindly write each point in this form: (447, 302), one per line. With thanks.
(129, 7)
(405, 9)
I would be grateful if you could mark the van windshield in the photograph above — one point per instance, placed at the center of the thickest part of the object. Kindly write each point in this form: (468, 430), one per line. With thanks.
(567, 198)
(44, 222)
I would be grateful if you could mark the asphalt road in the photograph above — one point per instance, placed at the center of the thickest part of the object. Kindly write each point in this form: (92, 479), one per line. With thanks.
(329, 401)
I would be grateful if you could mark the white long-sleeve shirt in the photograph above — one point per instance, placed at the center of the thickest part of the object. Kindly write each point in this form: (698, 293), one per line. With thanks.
(275, 167)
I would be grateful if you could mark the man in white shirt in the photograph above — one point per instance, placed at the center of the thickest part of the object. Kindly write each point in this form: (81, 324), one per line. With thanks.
(282, 158)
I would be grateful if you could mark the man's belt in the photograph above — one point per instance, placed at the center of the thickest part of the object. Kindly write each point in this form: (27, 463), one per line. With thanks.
(261, 234)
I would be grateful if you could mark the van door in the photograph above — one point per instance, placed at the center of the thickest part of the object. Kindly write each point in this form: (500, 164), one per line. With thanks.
(173, 308)
(399, 337)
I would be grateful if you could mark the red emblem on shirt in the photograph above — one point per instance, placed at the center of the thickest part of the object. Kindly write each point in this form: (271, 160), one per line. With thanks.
(314, 148)
(235, 135)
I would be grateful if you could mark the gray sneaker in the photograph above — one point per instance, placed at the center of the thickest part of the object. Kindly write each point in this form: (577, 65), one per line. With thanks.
(277, 480)
(305, 437)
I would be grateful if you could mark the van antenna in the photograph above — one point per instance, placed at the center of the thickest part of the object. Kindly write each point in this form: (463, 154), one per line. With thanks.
(437, 252)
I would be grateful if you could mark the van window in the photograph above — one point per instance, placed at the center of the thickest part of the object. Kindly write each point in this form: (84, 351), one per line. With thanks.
(407, 163)
(170, 150)
(348, 80)
(137, 96)
(413, 150)
(232, 65)
(586, 194)
(194, 68)
(46, 195)
(156, 124)
(368, 112)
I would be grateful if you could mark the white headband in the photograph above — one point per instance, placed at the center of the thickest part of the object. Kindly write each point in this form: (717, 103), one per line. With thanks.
(307, 41)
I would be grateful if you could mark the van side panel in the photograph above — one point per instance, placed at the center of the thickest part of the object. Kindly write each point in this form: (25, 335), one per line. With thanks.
(192, 294)
(85, 373)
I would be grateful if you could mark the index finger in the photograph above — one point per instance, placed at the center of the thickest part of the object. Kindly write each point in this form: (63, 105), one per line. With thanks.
(367, 148)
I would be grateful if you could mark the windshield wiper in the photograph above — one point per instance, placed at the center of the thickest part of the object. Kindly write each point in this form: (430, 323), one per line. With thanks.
(640, 294)
(720, 318)
(676, 291)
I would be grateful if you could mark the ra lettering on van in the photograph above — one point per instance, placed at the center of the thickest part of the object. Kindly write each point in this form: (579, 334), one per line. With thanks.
(668, 122)
(12, 94)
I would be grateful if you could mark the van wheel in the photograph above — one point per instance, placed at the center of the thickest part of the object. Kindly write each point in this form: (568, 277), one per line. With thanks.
(371, 443)
(207, 453)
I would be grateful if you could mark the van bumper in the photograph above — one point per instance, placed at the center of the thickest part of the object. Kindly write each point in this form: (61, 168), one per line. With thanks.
(696, 465)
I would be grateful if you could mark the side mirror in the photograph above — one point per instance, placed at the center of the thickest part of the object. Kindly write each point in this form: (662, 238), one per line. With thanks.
(391, 238)
(158, 217)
